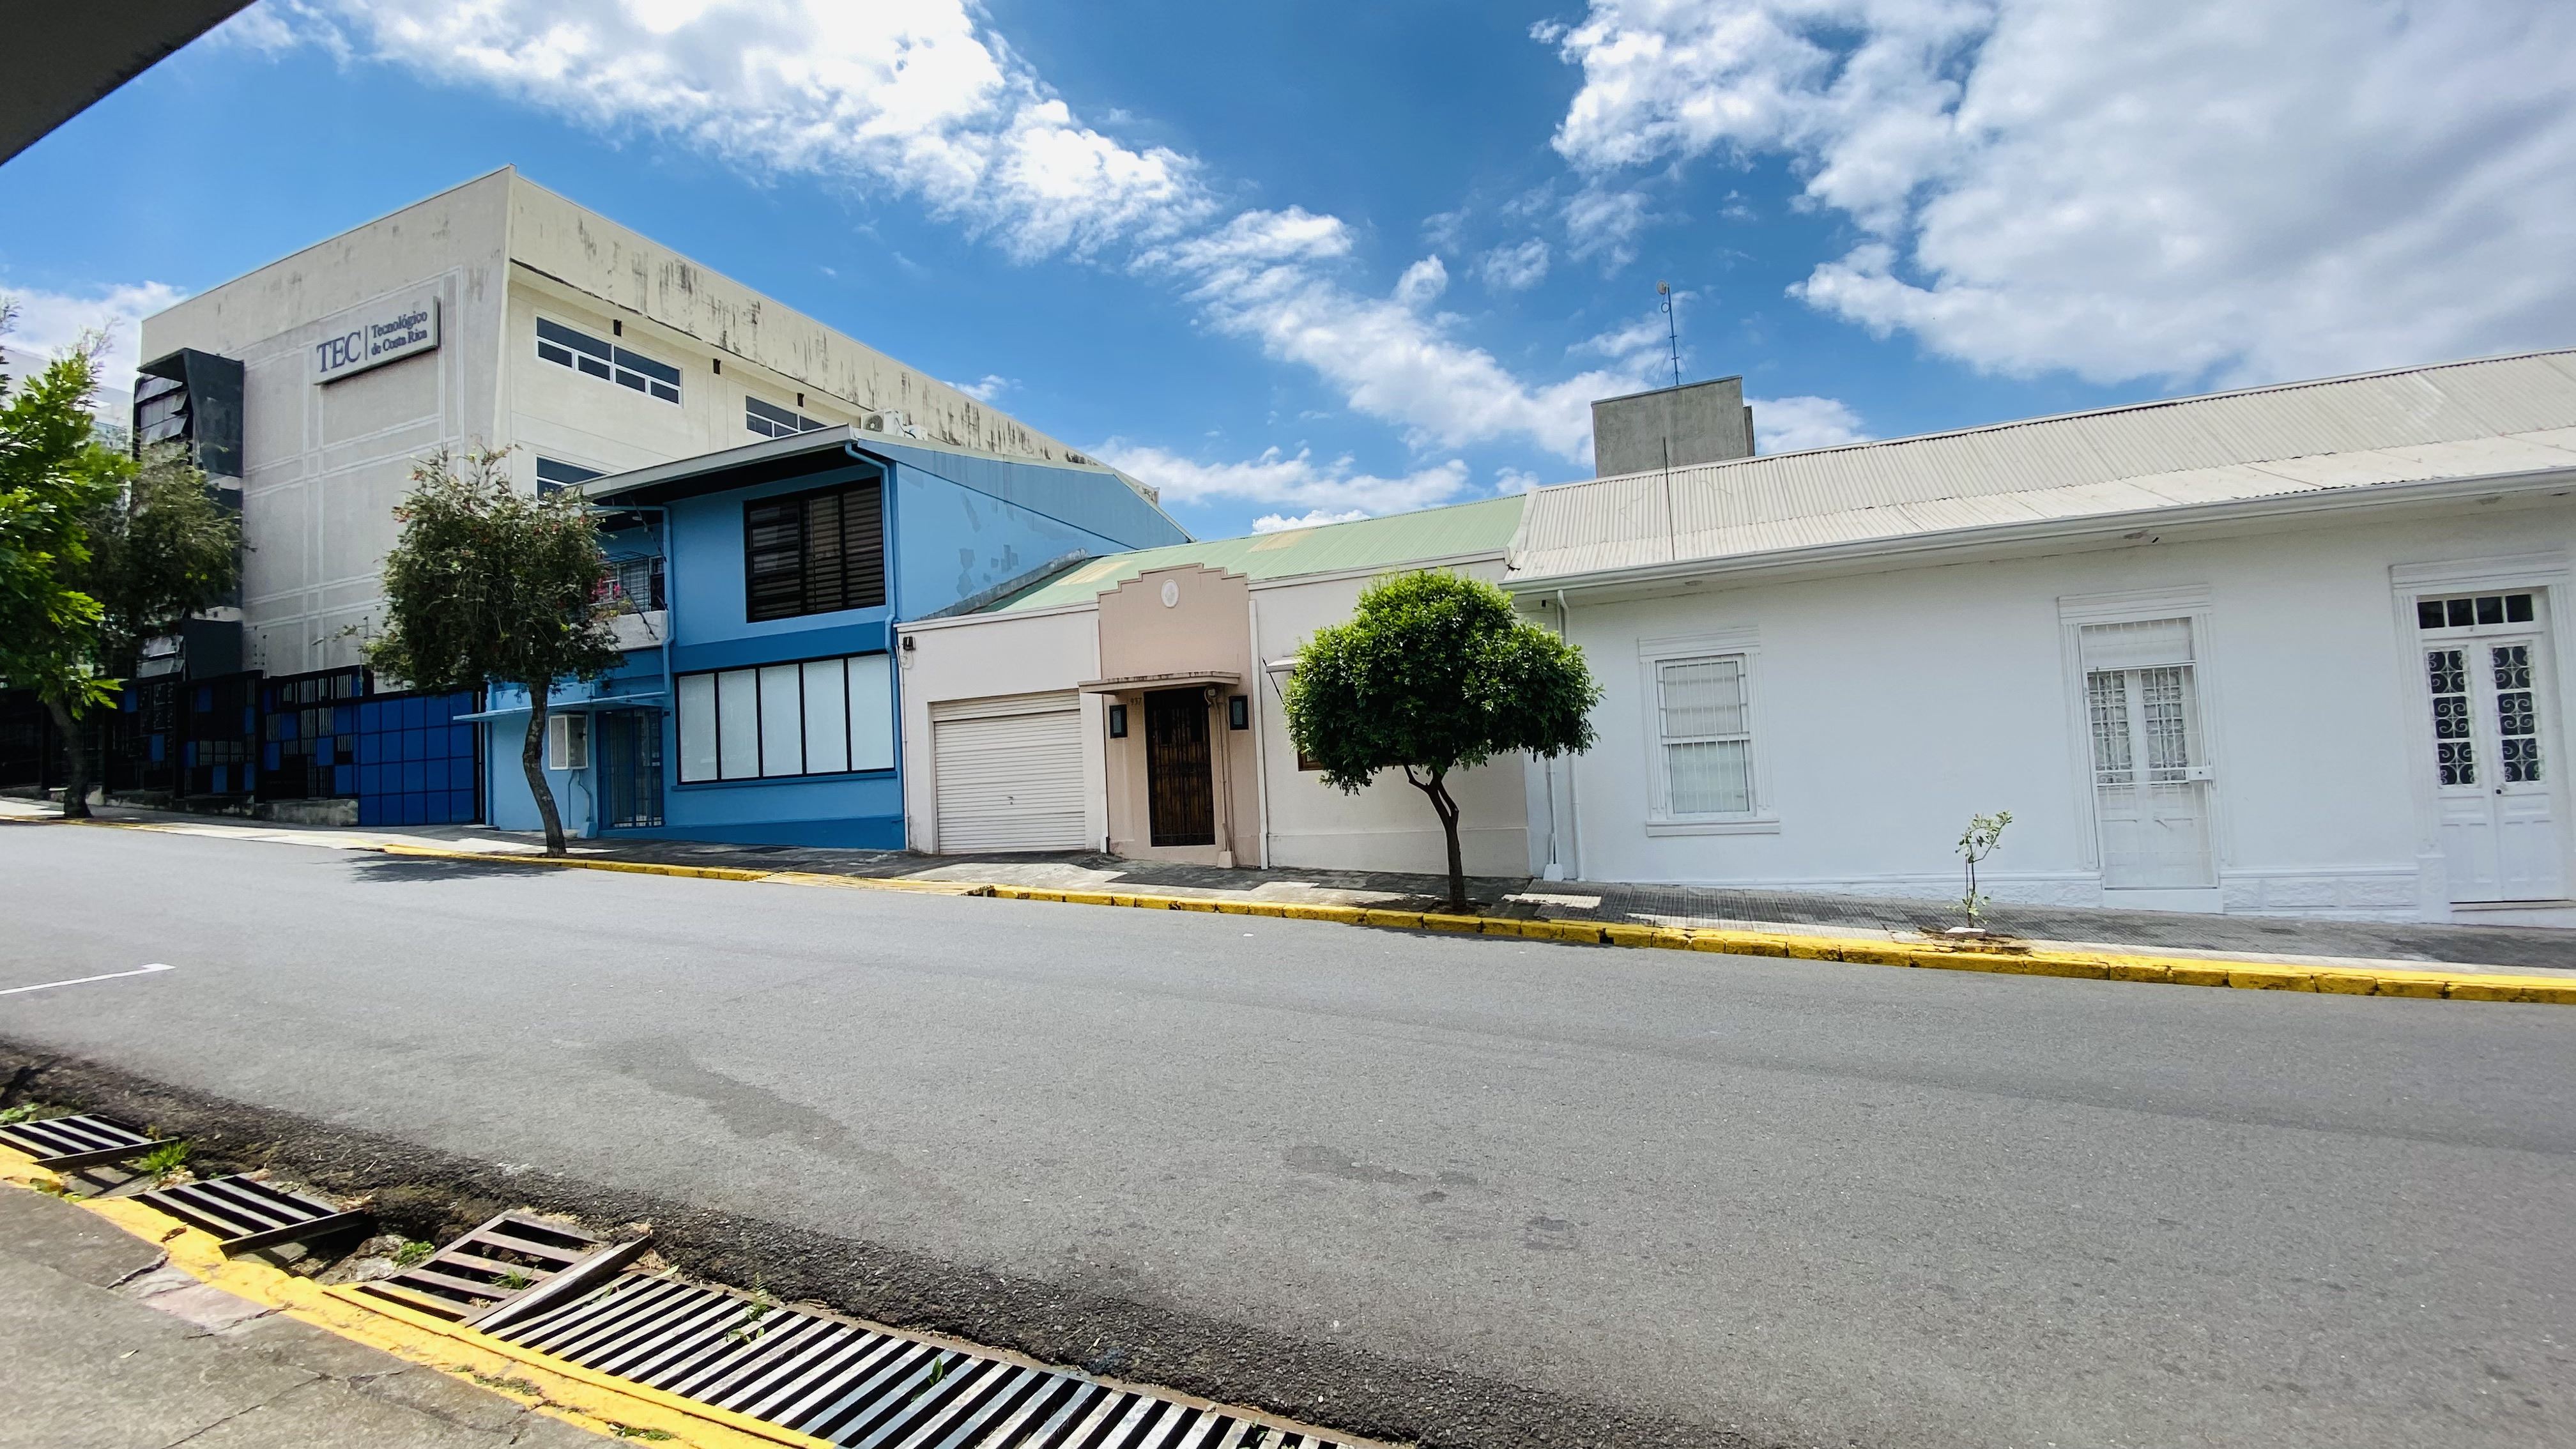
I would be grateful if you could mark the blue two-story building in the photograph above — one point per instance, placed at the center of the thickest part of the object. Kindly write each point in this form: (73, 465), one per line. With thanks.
(757, 701)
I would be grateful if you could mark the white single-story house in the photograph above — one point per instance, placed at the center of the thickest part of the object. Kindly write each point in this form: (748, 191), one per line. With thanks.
(1132, 704)
(2295, 650)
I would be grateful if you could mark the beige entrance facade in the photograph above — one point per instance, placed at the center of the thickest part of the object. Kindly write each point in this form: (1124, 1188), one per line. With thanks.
(1177, 676)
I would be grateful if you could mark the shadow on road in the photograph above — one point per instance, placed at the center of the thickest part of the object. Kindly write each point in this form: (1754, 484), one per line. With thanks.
(408, 870)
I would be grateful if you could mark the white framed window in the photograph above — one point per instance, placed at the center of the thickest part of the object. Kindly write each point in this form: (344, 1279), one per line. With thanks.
(1704, 728)
(571, 347)
(568, 742)
(771, 721)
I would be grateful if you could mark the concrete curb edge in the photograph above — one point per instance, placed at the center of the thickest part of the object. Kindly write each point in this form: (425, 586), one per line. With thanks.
(2083, 966)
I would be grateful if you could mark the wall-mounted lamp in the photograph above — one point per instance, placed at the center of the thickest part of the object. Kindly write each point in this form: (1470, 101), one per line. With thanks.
(1238, 712)
(1118, 721)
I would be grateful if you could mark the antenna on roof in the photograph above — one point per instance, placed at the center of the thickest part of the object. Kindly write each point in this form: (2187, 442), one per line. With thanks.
(1672, 329)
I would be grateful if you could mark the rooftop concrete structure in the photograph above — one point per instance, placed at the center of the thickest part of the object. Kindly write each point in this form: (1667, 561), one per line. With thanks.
(1671, 427)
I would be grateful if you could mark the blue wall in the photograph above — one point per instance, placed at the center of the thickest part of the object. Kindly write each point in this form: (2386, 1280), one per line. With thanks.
(955, 526)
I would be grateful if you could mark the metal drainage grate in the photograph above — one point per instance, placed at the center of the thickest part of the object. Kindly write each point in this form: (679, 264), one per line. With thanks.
(244, 1214)
(853, 1385)
(60, 1144)
(514, 1259)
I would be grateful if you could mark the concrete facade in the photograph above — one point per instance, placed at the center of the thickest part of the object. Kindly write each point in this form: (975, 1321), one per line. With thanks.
(1889, 702)
(327, 460)
(1671, 427)
(1229, 633)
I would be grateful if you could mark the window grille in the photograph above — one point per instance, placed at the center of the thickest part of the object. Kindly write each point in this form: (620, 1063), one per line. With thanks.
(2454, 751)
(634, 584)
(583, 353)
(1707, 735)
(2517, 723)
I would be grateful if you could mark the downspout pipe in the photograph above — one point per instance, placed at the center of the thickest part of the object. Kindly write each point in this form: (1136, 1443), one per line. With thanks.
(1573, 812)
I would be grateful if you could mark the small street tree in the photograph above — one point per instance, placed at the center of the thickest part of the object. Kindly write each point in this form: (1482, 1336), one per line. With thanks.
(53, 479)
(1435, 673)
(161, 549)
(486, 583)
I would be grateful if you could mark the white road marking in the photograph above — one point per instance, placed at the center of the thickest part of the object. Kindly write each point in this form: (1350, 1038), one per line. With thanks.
(81, 980)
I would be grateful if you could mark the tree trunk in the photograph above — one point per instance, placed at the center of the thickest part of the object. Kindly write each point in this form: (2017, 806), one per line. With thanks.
(532, 758)
(75, 761)
(1437, 787)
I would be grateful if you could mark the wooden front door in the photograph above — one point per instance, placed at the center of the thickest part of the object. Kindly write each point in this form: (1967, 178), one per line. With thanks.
(1181, 796)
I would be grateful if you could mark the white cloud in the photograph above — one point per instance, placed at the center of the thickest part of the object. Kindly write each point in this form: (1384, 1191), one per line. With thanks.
(1514, 268)
(1602, 221)
(1422, 283)
(1290, 480)
(987, 388)
(2237, 189)
(918, 99)
(923, 100)
(1312, 518)
(1795, 424)
(49, 322)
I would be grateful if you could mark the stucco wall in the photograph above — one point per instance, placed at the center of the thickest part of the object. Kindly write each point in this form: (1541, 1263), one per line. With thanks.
(1203, 629)
(1008, 654)
(325, 464)
(1889, 707)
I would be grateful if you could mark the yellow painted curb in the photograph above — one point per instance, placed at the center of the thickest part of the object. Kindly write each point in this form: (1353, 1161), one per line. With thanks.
(560, 1389)
(2431, 984)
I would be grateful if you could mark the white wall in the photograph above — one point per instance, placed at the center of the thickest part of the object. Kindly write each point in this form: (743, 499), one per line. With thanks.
(1032, 653)
(324, 465)
(1389, 825)
(1890, 707)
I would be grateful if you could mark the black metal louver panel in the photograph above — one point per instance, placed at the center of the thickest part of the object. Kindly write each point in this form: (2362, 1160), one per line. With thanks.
(861, 1387)
(814, 553)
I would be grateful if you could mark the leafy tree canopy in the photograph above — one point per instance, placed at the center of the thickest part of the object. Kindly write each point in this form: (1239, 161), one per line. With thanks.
(486, 583)
(1436, 673)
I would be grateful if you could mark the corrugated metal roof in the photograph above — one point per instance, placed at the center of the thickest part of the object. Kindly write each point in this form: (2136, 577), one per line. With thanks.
(2456, 420)
(1369, 543)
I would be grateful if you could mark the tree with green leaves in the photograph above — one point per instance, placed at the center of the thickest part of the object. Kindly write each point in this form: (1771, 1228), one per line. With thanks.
(1433, 674)
(161, 551)
(53, 478)
(486, 583)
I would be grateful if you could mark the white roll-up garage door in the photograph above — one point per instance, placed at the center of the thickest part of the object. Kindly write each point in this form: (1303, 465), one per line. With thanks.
(1008, 773)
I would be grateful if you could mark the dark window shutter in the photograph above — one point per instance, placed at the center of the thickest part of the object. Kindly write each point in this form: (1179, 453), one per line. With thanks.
(773, 559)
(863, 545)
(814, 553)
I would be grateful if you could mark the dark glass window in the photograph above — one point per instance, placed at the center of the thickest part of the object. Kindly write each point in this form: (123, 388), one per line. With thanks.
(813, 553)
(553, 474)
(2473, 611)
(578, 350)
(771, 421)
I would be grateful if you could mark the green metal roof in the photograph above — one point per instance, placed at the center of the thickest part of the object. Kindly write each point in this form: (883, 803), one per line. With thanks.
(1369, 543)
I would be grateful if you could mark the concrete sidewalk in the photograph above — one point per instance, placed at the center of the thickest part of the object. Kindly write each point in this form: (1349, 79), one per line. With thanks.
(2240, 938)
(108, 1347)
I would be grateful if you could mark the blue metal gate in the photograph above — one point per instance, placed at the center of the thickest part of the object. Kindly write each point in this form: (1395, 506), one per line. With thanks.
(416, 764)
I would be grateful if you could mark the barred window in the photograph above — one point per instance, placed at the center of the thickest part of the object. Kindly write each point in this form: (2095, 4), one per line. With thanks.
(1707, 729)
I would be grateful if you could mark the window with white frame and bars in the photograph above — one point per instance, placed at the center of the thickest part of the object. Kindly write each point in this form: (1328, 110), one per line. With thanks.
(1704, 709)
(773, 721)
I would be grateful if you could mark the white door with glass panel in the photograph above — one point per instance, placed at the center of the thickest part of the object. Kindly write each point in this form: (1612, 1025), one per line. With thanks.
(2151, 775)
(2485, 675)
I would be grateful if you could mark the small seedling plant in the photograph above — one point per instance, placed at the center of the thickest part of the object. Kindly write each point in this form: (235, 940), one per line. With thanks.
(163, 1160)
(1984, 836)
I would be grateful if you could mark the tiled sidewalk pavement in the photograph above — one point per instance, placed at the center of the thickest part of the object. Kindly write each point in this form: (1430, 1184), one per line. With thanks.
(2517, 948)
(101, 1345)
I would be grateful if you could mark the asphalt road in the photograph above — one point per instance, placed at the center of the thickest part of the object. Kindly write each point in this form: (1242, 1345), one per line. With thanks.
(1802, 1202)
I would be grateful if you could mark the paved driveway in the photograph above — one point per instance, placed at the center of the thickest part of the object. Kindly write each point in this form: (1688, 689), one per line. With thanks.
(1810, 1203)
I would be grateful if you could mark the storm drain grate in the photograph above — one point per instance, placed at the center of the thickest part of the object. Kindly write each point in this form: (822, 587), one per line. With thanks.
(514, 1259)
(245, 1214)
(857, 1386)
(61, 1143)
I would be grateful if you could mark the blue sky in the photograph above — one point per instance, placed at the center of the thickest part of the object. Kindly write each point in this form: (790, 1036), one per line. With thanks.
(1291, 261)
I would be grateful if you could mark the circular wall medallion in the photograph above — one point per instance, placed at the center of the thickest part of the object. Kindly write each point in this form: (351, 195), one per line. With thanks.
(1171, 593)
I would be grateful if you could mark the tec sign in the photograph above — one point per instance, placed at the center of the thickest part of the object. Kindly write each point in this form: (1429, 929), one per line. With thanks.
(386, 333)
